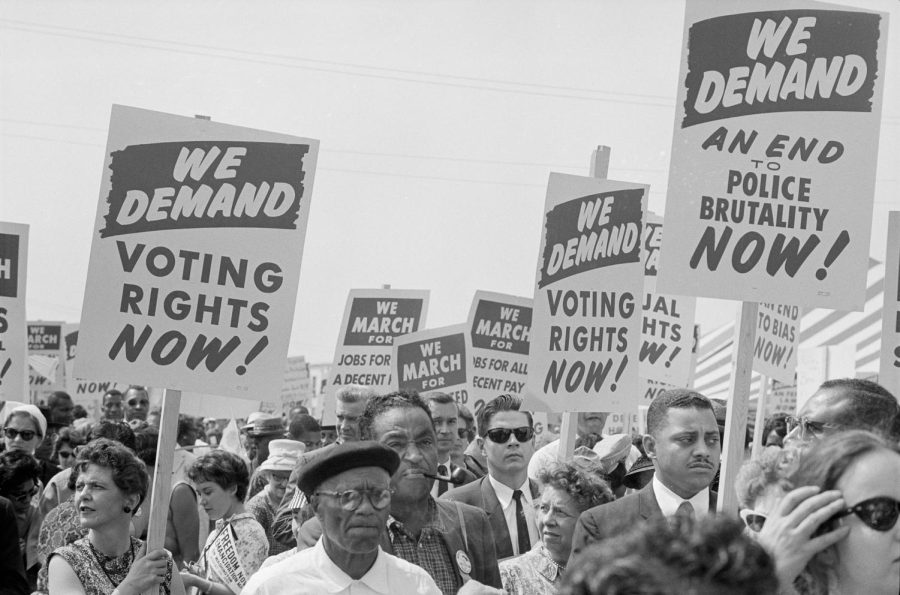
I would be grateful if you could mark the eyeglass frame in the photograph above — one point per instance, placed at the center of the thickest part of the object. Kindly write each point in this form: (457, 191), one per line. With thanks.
(528, 430)
(15, 433)
(805, 424)
(745, 515)
(367, 493)
(858, 508)
(23, 497)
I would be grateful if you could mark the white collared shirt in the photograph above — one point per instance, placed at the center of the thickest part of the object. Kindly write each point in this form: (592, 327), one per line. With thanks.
(434, 486)
(312, 572)
(669, 501)
(505, 496)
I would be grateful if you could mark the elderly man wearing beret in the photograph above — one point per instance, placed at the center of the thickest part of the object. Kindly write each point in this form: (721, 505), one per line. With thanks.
(349, 489)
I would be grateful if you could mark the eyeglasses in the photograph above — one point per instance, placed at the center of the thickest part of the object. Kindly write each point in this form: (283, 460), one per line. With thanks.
(66, 454)
(808, 426)
(351, 499)
(878, 513)
(26, 435)
(22, 497)
(754, 520)
(501, 435)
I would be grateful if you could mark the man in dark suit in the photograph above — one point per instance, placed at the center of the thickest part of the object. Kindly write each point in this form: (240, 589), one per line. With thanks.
(683, 443)
(445, 415)
(506, 435)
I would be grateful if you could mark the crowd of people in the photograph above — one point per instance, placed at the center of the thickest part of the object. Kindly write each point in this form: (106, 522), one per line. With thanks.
(412, 493)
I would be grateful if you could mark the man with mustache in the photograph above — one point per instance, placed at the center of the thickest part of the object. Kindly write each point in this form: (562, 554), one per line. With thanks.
(348, 489)
(683, 443)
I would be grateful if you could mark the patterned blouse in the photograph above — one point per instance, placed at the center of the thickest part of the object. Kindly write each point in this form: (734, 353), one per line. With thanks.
(101, 574)
(61, 527)
(252, 544)
(532, 573)
(261, 507)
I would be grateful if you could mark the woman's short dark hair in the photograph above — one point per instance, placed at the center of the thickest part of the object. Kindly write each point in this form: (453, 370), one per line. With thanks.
(69, 436)
(119, 431)
(17, 467)
(128, 472)
(223, 468)
(585, 488)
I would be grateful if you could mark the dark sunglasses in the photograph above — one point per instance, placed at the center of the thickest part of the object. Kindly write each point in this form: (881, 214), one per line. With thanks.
(26, 435)
(754, 520)
(501, 435)
(808, 426)
(878, 513)
(23, 497)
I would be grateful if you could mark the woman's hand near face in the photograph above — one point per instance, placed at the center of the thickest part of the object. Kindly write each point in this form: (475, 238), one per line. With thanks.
(788, 532)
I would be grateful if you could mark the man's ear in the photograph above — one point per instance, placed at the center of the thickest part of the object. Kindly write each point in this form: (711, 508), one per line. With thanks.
(649, 445)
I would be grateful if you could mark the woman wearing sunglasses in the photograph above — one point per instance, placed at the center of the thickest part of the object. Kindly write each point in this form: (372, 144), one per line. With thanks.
(24, 429)
(64, 449)
(19, 483)
(860, 523)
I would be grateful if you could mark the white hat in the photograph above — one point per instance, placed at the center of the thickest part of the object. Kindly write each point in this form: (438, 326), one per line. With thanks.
(283, 455)
(612, 449)
(34, 413)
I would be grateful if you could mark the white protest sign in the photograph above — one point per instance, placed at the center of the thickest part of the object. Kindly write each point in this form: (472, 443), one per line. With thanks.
(87, 393)
(13, 329)
(587, 314)
(668, 320)
(777, 341)
(889, 370)
(498, 339)
(225, 561)
(433, 360)
(777, 127)
(196, 255)
(373, 319)
(46, 359)
(296, 389)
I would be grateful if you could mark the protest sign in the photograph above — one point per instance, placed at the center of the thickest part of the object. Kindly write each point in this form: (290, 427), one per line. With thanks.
(87, 393)
(13, 329)
(196, 255)
(498, 340)
(777, 124)
(46, 359)
(433, 360)
(373, 319)
(586, 314)
(225, 561)
(777, 341)
(889, 370)
(668, 320)
(297, 387)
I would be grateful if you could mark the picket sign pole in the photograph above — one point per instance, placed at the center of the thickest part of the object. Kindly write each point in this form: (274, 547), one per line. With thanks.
(738, 405)
(162, 476)
(760, 416)
(569, 428)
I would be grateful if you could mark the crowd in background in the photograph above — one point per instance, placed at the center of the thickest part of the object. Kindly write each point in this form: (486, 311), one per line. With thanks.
(417, 493)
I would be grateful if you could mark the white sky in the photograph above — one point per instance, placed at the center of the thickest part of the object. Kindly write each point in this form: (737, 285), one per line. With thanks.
(439, 124)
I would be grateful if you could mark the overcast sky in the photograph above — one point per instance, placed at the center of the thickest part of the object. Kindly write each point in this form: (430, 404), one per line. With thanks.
(439, 124)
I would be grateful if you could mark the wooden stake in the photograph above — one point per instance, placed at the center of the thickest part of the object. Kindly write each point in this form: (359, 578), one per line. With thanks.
(162, 476)
(736, 418)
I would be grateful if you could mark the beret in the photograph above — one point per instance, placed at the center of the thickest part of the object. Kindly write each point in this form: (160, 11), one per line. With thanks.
(343, 457)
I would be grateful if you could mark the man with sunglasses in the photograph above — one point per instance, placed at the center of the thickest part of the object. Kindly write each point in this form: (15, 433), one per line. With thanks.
(683, 443)
(349, 491)
(445, 415)
(506, 436)
(844, 404)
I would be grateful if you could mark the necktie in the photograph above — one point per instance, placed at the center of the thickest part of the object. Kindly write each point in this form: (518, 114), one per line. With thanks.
(442, 485)
(685, 509)
(521, 523)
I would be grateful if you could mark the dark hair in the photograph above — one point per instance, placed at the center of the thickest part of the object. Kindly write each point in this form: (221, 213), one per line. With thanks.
(128, 472)
(585, 488)
(57, 396)
(119, 431)
(776, 421)
(438, 397)
(675, 398)
(674, 555)
(186, 424)
(17, 467)
(111, 393)
(303, 423)
(499, 403)
(378, 404)
(867, 406)
(69, 436)
(469, 420)
(146, 441)
(79, 412)
(223, 468)
(822, 465)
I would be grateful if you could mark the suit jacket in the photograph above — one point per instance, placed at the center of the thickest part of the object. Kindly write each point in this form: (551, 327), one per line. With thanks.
(619, 516)
(478, 543)
(481, 494)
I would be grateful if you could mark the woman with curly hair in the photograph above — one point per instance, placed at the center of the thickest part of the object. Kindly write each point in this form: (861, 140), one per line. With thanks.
(112, 483)
(221, 479)
(568, 490)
